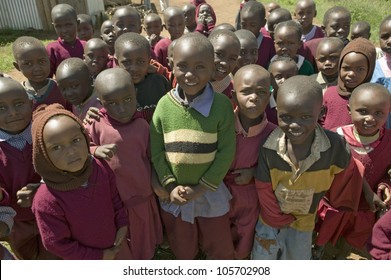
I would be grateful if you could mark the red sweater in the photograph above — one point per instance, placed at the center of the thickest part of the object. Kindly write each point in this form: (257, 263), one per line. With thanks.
(161, 52)
(266, 51)
(59, 51)
(379, 245)
(16, 171)
(336, 110)
(82, 223)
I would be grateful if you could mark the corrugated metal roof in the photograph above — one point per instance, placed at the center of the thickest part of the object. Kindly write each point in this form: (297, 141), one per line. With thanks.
(19, 14)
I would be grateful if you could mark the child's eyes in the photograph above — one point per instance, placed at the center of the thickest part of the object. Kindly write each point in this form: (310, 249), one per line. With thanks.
(379, 113)
(76, 140)
(140, 62)
(127, 100)
(285, 118)
(56, 148)
(19, 104)
(306, 117)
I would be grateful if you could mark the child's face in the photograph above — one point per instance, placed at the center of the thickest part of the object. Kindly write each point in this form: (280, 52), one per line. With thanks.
(135, 60)
(120, 103)
(175, 26)
(304, 14)
(107, 34)
(248, 52)
(66, 28)
(353, 70)
(282, 70)
(34, 63)
(298, 117)
(252, 93)
(75, 87)
(204, 11)
(270, 7)
(327, 57)
(385, 37)
(226, 55)
(286, 42)
(252, 22)
(369, 111)
(15, 110)
(189, 17)
(96, 59)
(85, 31)
(338, 25)
(127, 23)
(153, 27)
(192, 69)
(65, 144)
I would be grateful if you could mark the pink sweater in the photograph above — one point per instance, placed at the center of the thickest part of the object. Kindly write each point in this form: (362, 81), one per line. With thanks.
(336, 110)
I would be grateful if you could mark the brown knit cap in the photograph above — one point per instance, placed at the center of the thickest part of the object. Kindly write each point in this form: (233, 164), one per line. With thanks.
(53, 177)
(365, 47)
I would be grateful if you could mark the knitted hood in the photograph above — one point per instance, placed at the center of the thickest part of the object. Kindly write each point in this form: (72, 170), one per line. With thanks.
(53, 177)
(365, 47)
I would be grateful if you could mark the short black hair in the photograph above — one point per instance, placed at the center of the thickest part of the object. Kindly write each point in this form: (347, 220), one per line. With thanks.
(254, 7)
(134, 39)
(245, 34)
(85, 18)
(291, 24)
(153, 16)
(369, 86)
(130, 10)
(336, 10)
(215, 34)
(76, 64)
(198, 40)
(63, 9)
(25, 41)
(300, 85)
(386, 19)
(283, 58)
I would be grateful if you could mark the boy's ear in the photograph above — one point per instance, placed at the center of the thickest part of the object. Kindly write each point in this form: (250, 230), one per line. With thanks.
(115, 59)
(316, 13)
(16, 65)
(233, 92)
(164, 26)
(350, 111)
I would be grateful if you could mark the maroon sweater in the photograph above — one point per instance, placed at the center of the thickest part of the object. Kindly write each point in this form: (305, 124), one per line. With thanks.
(266, 51)
(81, 223)
(59, 51)
(379, 245)
(16, 171)
(336, 110)
(161, 52)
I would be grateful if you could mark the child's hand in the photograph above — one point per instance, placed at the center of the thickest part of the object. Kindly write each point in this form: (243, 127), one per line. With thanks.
(245, 175)
(26, 194)
(384, 193)
(209, 20)
(176, 195)
(201, 19)
(374, 202)
(106, 152)
(109, 254)
(92, 114)
(120, 236)
(193, 192)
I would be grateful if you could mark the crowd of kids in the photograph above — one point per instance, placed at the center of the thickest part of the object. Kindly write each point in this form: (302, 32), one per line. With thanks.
(267, 140)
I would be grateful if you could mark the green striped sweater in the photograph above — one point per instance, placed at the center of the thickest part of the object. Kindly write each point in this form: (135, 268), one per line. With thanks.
(188, 148)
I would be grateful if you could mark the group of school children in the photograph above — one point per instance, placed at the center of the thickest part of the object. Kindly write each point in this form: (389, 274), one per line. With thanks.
(268, 141)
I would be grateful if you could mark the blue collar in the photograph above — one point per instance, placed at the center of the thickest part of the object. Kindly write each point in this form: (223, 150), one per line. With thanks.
(202, 103)
(17, 140)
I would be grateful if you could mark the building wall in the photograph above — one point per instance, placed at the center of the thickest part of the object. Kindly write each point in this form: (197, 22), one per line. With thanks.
(26, 14)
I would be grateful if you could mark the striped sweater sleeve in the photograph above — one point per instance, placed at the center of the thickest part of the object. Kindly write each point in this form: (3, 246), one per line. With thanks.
(158, 156)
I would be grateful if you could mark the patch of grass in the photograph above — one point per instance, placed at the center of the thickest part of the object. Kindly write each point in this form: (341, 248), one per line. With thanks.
(372, 11)
(7, 37)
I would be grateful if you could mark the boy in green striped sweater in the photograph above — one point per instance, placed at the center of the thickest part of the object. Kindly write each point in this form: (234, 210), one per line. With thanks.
(192, 147)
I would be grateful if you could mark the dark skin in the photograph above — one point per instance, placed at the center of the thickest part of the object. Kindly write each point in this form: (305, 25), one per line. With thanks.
(252, 94)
